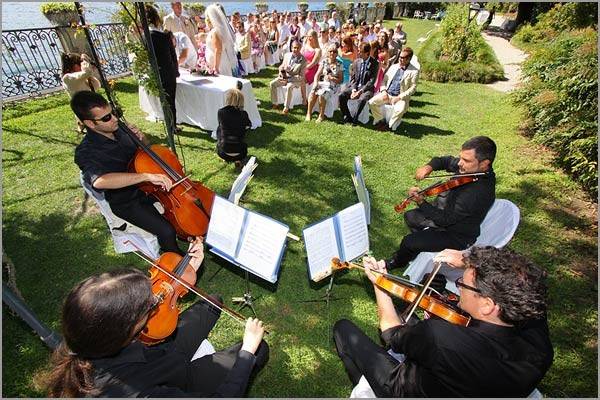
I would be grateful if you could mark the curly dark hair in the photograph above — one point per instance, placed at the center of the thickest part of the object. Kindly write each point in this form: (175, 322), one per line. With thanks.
(513, 282)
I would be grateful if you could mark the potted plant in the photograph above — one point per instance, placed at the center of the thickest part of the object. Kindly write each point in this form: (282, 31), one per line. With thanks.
(261, 7)
(331, 5)
(302, 6)
(379, 4)
(60, 13)
(363, 4)
(194, 9)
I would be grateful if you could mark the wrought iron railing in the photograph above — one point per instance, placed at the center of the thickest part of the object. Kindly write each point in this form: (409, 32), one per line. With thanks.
(31, 58)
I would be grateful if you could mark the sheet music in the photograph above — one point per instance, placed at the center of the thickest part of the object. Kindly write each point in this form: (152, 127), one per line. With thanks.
(361, 188)
(225, 226)
(353, 231)
(239, 185)
(321, 246)
(262, 246)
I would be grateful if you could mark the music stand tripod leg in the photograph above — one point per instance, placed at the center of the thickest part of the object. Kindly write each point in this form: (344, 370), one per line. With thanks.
(247, 299)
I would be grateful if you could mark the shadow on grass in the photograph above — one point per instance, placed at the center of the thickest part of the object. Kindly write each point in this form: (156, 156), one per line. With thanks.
(572, 281)
(126, 87)
(417, 131)
(18, 131)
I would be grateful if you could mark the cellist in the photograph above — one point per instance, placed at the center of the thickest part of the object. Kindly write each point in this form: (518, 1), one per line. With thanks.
(453, 219)
(503, 352)
(100, 355)
(103, 157)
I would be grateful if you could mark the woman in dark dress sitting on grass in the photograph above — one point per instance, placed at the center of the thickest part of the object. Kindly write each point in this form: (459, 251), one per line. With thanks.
(233, 122)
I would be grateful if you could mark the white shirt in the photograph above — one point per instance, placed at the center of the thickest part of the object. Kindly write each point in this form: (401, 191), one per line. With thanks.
(334, 23)
(183, 42)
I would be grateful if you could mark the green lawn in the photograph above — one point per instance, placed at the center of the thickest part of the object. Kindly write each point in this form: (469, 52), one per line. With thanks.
(56, 239)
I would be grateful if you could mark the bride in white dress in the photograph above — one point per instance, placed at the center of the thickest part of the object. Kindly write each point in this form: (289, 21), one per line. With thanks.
(220, 51)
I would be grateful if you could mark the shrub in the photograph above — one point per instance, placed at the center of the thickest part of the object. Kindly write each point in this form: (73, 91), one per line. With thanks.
(331, 5)
(458, 53)
(57, 7)
(560, 18)
(560, 98)
(194, 9)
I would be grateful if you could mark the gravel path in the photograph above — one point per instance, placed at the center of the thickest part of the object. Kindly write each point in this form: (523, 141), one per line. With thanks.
(509, 56)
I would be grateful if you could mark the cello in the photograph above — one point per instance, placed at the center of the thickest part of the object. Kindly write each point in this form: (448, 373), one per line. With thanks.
(432, 303)
(188, 204)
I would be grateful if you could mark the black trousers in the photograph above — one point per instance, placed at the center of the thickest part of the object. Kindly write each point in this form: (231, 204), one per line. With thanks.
(207, 373)
(362, 101)
(142, 213)
(426, 240)
(362, 356)
(170, 90)
(416, 220)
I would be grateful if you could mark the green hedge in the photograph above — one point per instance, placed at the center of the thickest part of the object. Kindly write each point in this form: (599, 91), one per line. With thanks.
(560, 98)
(560, 90)
(458, 53)
(486, 71)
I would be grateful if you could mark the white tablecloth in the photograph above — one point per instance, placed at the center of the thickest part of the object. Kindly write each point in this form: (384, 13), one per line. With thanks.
(199, 98)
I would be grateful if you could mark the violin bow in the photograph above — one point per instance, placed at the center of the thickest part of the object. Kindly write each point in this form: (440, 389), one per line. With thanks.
(409, 311)
(455, 175)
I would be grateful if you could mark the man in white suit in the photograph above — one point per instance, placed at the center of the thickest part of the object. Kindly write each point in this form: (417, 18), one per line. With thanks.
(399, 83)
(177, 22)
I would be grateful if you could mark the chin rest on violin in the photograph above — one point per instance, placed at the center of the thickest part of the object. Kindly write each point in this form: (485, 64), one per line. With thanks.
(406, 291)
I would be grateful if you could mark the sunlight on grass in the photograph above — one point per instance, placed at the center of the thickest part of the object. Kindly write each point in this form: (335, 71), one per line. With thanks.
(56, 239)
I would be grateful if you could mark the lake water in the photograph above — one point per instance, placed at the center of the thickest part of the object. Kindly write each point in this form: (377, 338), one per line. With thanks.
(22, 15)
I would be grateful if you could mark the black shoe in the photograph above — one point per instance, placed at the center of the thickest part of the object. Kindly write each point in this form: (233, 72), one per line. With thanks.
(354, 122)
(347, 120)
(390, 263)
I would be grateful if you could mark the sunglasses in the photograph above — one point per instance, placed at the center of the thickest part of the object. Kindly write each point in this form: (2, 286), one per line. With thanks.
(105, 118)
(460, 284)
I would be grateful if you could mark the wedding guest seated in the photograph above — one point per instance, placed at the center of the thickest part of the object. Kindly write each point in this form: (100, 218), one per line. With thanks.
(362, 83)
(187, 57)
(231, 133)
(291, 75)
(331, 72)
(401, 84)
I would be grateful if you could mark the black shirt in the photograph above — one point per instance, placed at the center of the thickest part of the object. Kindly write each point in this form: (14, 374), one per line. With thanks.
(233, 123)
(466, 206)
(97, 155)
(161, 371)
(480, 360)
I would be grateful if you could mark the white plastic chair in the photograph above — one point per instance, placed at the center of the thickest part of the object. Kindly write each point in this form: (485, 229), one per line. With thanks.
(363, 390)
(131, 238)
(497, 229)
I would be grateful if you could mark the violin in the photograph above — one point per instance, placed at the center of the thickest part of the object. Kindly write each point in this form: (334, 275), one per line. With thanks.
(440, 187)
(406, 291)
(188, 204)
(171, 278)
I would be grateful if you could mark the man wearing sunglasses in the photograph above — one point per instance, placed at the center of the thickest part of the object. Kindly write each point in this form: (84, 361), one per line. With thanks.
(400, 82)
(103, 156)
(504, 351)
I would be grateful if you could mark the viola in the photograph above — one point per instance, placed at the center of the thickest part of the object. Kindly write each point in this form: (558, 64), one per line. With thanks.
(188, 204)
(172, 277)
(440, 187)
(408, 292)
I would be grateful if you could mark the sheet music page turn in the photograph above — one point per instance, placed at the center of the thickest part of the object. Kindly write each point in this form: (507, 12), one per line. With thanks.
(225, 226)
(353, 231)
